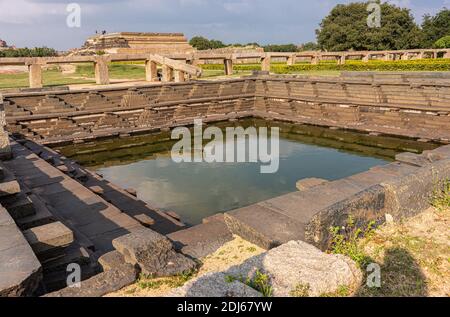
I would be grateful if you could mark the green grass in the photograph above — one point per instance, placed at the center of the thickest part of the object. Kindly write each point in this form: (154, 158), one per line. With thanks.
(51, 77)
(116, 71)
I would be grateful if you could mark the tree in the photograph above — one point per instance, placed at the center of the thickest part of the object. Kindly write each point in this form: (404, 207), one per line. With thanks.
(443, 42)
(200, 43)
(281, 48)
(435, 27)
(309, 46)
(345, 28)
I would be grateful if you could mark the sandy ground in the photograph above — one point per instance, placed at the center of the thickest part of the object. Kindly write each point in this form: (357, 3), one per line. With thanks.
(232, 253)
(414, 256)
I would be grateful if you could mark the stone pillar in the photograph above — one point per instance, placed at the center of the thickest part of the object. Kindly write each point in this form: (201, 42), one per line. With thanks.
(341, 59)
(151, 71)
(405, 57)
(265, 64)
(228, 66)
(447, 54)
(101, 71)
(291, 60)
(5, 148)
(315, 60)
(179, 76)
(35, 75)
(386, 57)
(167, 73)
(421, 55)
(366, 58)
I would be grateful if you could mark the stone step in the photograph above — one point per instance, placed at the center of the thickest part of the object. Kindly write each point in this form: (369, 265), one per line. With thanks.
(73, 254)
(201, 240)
(19, 206)
(49, 241)
(8, 185)
(42, 215)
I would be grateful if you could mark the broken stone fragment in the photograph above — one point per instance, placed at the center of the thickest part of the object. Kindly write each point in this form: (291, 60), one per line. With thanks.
(153, 253)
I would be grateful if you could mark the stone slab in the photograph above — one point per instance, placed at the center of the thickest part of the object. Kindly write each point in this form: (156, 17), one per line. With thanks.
(101, 284)
(111, 260)
(201, 240)
(48, 238)
(308, 183)
(264, 227)
(20, 270)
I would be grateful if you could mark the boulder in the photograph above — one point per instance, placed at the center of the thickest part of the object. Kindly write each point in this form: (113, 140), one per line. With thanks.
(153, 253)
(297, 264)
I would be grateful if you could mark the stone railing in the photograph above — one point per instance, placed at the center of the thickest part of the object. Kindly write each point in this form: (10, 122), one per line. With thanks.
(173, 70)
(178, 67)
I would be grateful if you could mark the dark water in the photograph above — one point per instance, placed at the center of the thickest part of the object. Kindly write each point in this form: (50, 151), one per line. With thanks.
(198, 190)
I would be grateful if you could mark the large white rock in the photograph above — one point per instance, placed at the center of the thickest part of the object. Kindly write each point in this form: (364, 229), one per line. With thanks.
(300, 264)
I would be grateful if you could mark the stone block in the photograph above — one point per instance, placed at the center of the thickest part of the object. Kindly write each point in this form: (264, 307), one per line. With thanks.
(19, 206)
(145, 220)
(214, 285)
(101, 284)
(298, 264)
(263, 226)
(153, 253)
(308, 183)
(408, 195)
(201, 240)
(111, 260)
(48, 240)
(20, 270)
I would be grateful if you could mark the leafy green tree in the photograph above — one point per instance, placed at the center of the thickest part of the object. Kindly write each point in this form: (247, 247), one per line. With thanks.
(214, 44)
(309, 46)
(200, 43)
(443, 42)
(345, 28)
(436, 27)
(29, 52)
(281, 48)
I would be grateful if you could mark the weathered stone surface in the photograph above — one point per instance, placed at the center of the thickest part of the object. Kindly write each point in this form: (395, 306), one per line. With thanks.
(19, 206)
(300, 264)
(214, 285)
(408, 195)
(201, 240)
(364, 207)
(101, 284)
(111, 260)
(153, 253)
(20, 270)
(307, 183)
(50, 238)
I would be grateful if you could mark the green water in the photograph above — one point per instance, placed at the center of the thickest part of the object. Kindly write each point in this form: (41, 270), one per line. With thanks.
(198, 190)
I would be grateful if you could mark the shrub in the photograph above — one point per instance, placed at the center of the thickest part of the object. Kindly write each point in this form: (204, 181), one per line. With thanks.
(443, 42)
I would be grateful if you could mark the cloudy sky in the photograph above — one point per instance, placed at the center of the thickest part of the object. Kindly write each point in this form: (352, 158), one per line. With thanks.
(43, 22)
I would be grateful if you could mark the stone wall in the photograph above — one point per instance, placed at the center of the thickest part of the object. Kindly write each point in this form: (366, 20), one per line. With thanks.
(406, 106)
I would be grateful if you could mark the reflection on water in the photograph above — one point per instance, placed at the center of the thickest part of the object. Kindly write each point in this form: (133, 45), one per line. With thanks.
(197, 190)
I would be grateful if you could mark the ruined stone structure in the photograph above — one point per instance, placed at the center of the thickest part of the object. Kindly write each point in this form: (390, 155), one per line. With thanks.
(181, 66)
(61, 213)
(139, 43)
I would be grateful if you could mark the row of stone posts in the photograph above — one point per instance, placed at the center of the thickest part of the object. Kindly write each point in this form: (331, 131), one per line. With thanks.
(102, 72)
